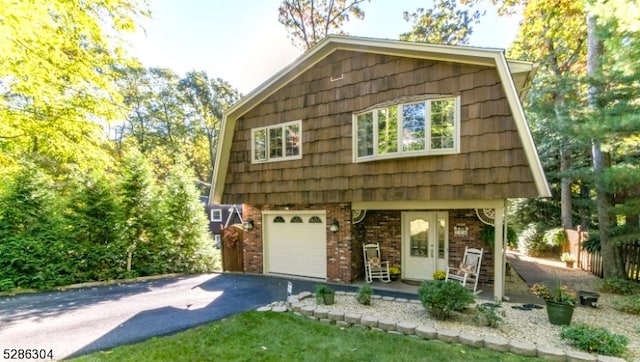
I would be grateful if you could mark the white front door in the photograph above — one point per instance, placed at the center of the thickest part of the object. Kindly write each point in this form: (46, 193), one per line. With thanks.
(424, 244)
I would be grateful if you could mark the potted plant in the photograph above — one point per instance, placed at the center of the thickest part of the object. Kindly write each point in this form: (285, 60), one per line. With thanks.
(324, 294)
(394, 272)
(439, 275)
(560, 301)
(568, 259)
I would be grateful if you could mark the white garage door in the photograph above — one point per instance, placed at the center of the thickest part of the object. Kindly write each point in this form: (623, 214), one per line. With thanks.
(296, 243)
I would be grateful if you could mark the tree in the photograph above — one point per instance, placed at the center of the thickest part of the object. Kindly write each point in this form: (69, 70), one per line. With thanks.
(206, 99)
(612, 123)
(553, 34)
(139, 205)
(184, 223)
(308, 21)
(446, 22)
(56, 63)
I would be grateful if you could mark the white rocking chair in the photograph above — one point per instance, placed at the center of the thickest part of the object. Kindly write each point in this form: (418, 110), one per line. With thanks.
(374, 267)
(468, 271)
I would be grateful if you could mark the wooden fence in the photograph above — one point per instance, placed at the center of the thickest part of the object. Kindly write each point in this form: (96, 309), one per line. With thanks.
(592, 262)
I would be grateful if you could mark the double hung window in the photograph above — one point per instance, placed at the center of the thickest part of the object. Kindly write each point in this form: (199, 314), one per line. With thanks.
(276, 143)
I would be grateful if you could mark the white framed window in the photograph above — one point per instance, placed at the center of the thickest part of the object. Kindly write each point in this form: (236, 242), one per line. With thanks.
(277, 143)
(426, 127)
(216, 215)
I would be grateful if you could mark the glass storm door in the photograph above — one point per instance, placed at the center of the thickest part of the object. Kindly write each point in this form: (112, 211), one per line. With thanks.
(424, 244)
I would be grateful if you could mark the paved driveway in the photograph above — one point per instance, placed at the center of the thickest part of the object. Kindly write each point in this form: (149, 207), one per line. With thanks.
(81, 321)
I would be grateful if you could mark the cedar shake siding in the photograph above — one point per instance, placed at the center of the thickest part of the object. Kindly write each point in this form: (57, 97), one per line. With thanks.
(491, 164)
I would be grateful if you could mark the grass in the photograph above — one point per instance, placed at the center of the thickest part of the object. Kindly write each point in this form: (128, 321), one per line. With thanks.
(255, 336)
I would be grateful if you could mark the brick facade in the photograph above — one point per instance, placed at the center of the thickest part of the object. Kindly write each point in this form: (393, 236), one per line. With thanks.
(344, 247)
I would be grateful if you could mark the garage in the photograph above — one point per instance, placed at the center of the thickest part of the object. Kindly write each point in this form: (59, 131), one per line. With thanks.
(295, 243)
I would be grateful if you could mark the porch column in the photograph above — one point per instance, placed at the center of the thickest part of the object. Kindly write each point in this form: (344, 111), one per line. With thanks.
(498, 246)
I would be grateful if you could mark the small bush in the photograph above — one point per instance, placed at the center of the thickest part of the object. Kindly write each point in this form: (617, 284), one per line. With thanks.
(530, 241)
(627, 304)
(487, 314)
(441, 299)
(619, 286)
(555, 237)
(595, 339)
(364, 294)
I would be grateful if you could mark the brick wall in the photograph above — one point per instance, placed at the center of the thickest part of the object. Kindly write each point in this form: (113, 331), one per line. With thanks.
(457, 244)
(344, 248)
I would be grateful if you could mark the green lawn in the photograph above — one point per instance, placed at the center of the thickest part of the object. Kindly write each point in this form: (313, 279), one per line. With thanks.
(255, 336)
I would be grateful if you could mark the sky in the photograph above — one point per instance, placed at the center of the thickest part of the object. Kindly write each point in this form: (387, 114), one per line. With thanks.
(243, 43)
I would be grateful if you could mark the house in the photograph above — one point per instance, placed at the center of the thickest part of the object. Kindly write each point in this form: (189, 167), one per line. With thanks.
(369, 140)
(220, 216)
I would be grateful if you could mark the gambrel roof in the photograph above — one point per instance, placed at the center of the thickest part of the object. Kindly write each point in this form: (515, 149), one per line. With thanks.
(515, 77)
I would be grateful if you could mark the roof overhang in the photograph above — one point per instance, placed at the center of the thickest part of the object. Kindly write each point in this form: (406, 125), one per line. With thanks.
(515, 75)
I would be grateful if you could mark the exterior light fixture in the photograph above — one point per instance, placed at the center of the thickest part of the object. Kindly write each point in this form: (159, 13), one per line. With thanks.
(248, 225)
(334, 227)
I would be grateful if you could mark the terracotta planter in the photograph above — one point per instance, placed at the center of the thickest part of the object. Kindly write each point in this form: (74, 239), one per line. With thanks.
(569, 264)
(559, 313)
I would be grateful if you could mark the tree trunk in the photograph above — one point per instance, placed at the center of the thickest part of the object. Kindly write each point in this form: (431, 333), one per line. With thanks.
(566, 211)
(594, 52)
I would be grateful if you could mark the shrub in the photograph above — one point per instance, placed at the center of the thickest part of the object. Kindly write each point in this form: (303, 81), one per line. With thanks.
(441, 299)
(595, 339)
(488, 236)
(487, 314)
(531, 242)
(364, 294)
(627, 304)
(619, 286)
(555, 237)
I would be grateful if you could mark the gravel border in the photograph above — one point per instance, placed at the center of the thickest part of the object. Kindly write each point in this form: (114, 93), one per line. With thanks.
(523, 332)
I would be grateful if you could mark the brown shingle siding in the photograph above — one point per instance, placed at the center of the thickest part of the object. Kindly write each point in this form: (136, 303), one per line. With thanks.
(491, 164)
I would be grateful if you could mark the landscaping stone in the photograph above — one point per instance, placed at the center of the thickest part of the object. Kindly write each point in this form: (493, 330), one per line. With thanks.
(352, 318)
(426, 332)
(307, 310)
(265, 308)
(279, 308)
(351, 294)
(390, 299)
(408, 328)
(446, 335)
(496, 344)
(415, 301)
(336, 316)
(602, 358)
(321, 313)
(577, 356)
(523, 348)
(471, 340)
(293, 299)
(375, 296)
(368, 321)
(341, 292)
(327, 321)
(387, 325)
(402, 300)
(552, 353)
(296, 307)
(343, 324)
(304, 295)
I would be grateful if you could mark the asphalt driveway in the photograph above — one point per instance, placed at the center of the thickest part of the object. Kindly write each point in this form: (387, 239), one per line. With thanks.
(80, 321)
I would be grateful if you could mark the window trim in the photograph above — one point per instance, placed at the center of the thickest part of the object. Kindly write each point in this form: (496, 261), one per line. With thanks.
(400, 153)
(212, 216)
(267, 129)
